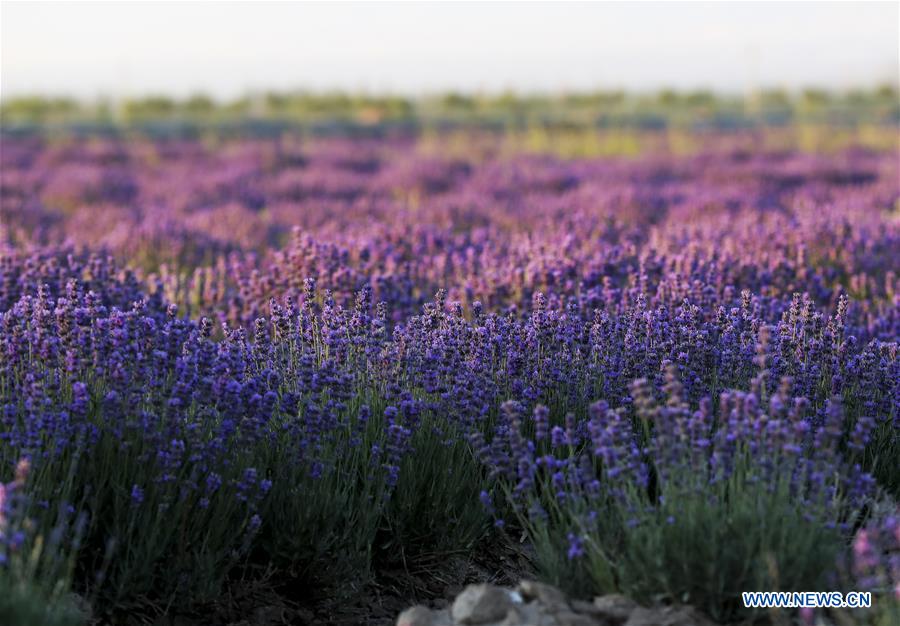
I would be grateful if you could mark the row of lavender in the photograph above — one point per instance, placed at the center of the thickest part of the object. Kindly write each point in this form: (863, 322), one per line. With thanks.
(199, 222)
(676, 377)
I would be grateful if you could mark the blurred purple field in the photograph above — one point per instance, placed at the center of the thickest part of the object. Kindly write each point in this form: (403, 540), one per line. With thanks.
(343, 358)
(224, 228)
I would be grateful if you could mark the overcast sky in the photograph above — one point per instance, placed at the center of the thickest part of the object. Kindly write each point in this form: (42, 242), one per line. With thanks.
(226, 49)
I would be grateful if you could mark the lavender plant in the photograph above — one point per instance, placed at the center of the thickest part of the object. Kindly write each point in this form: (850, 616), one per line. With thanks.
(692, 506)
(35, 570)
(673, 376)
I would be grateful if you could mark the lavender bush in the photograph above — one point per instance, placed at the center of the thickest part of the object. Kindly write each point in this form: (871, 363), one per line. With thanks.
(673, 376)
(35, 570)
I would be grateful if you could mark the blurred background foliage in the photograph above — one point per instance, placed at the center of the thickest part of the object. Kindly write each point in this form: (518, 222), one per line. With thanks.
(567, 125)
(601, 109)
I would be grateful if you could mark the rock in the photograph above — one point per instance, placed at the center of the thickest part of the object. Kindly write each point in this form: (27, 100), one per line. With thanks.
(480, 604)
(514, 617)
(536, 604)
(589, 609)
(546, 595)
(527, 615)
(668, 616)
(418, 616)
(615, 607)
(570, 618)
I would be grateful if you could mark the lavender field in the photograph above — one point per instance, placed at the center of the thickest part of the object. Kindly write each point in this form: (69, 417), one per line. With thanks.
(340, 375)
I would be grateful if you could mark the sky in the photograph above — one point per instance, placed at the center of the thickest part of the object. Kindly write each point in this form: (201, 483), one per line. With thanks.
(89, 50)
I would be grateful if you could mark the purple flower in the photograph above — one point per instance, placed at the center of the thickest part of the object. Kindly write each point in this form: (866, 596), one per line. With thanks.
(576, 547)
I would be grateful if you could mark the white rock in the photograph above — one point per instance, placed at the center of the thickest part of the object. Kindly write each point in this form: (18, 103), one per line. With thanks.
(547, 595)
(481, 604)
(614, 607)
